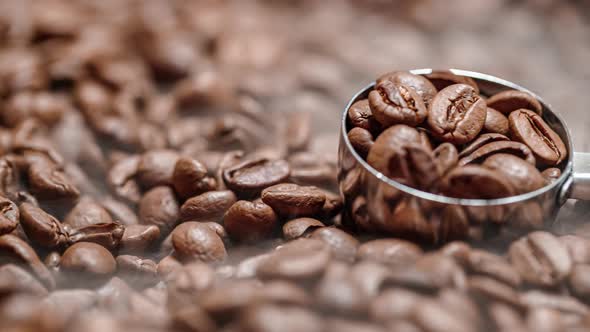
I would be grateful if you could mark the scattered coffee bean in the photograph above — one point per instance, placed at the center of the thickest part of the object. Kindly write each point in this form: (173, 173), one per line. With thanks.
(159, 207)
(89, 260)
(208, 206)
(298, 227)
(248, 178)
(195, 241)
(250, 221)
(292, 200)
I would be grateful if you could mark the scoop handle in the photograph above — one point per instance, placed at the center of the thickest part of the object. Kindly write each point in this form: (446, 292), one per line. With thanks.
(581, 179)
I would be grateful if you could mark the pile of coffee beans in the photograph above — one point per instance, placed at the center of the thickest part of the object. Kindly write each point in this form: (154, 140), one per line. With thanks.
(437, 133)
(171, 166)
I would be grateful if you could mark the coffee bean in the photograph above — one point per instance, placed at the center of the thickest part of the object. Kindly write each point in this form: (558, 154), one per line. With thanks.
(524, 176)
(361, 140)
(259, 318)
(250, 221)
(446, 157)
(195, 241)
(408, 221)
(168, 265)
(480, 141)
(473, 181)
(512, 100)
(579, 280)
(88, 260)
(444, 78)
(432, 317)
(298, 133)
(496, 122)
(383, 149)
(121, 179)
(337, 293)
(250, 177)
(394, 303)
(342, 245)
(529, 128)
(208, 206)
(13, 249)
(494, 266)
(156, 168)
(108, 234)
(299, 227)
(137, 238)
(415, 166)
(562, 303)
(393, 103)
(159, 207)
(454, 224)
(292, 200)
(551, 174)
(442, 270)
(390, 251)
(14, 279)
(578, 248)
(457, 114)
(332, 206)
(47, 181)
(423, 87)
(119, 211)
(135, 270)
(540, 259)
(43, 228)
(312, 169)
(298, 259)
(495, 290)
(87, 212)
(9, 216)
(190, 178)
(361, 116)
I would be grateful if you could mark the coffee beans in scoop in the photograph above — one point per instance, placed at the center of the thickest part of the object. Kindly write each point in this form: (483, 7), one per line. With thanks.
(439, 134)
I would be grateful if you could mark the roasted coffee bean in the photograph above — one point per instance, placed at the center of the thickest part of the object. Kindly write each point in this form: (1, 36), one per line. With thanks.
(250, 221)
(480, 141)
(393, 252)
(190, 178)
(47, 181)
(361, 116)
(494, 266)
(121, 179)
(444, 78)
(262, 318)
(423, 87)
(312, 169)
(512, 100)
(361, 140)
(433, 317)
(156, 167)
(579, 280)
(338, 293)
(495, 290)
(515, 148)
(108, 234)
(119, 211)
(42, 228)
(394, 303)
(393, 103)
(248, 178)
(208, 206)
(473, 181)
(159, 207)
(9, 216)
(292, 200)
(195, 241)
(14, 279)
(496, 122)
(454, 224)
(299, 227)
(551, 174)
(87, 260)
(524, 176)
(298, 133)
(383, 149)
(457, 114)
(443, 271)
(540, 258)
(15, 250)
(446, 157)
(137, 271)
(529, 128)
(138, 238)
(297, 260)
(563, 303)
(415, 166)
(343, 245)
(87, 212)
(407, 221)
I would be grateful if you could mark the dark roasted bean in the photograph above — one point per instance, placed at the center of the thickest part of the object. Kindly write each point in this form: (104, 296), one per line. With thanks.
(208, 206)
(250, 221)
(292, 200)
(195, 241)
(511, 100)
(248, 178)
(159, 207)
